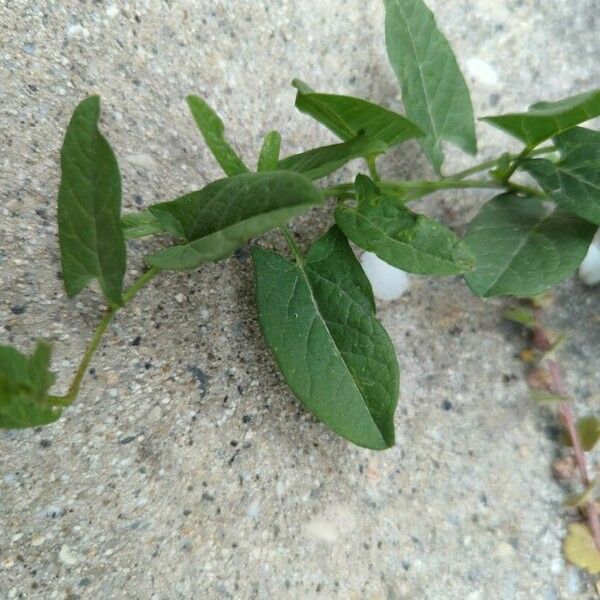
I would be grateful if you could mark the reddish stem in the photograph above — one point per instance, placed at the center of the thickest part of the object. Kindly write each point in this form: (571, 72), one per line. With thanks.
(566, 414)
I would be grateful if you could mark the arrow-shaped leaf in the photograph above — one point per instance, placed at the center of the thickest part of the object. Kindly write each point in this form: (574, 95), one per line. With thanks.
(318, 317)
(411, 242)
(574, 181)
(350, 117)
(218, 219)
(92, 244)
(548, 119)
(523, 249)
(434, 91)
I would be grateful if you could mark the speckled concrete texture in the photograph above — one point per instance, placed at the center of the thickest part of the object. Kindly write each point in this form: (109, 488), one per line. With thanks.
(187, 470)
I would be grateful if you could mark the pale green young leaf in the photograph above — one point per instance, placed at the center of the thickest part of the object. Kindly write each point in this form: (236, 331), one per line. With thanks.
(580, 500)
(548, 119)
(350, 117)
(318, 317)
(579, 548)
(216, 220)
(24, 384)
(521, 248)
(521, 314)
(92, 244)
(212, 129)
(574, 181)
(406, 240)
(269, 153)
(320, 162)
(588, 430)
(141, 224)
(434, 92)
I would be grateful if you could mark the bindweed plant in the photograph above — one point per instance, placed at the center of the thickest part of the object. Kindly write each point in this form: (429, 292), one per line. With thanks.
(316, 308)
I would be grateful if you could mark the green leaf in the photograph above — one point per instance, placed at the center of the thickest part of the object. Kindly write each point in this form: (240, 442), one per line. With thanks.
(24, 385)
(577, 500)
(548, 119)
(434, 91)
(218, 219)
(522, 315)
(350, 117)
(320, 162)
(211, 128)
(545, 397)
(318, 317)
(580, 549)
(269, 153)
(92, 244)
(574, 181)
(400, 237)
(141, 224)
(521, 248)
(588, 429)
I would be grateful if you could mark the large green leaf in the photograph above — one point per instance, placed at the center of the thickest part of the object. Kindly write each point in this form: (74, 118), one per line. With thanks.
(350, 117)
(212, 129)
(92, 244)
(24, 384)
(574, 181)
(522, 249)
(318, 317)
(400, 237)
(218, 219)
(434, 91)
(320, 162)
(548, 119)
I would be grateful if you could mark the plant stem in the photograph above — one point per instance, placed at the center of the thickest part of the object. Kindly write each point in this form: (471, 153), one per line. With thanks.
(568, 419)
(93, 344)
(490, 164)
(372, 164)
(291, 243)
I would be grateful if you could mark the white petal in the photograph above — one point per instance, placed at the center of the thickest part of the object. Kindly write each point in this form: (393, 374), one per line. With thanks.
(388, 282)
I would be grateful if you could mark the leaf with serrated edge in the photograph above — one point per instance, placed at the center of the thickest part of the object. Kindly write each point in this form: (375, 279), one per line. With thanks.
(579, 548)
(24, 384)
(318, 317)
(522, 249)
(92, 244)
(141, 224)
(350, 117)
(408, 241)
(434, 92)
(218, 219)
(548, 119)
(320, 162)
(574, 181)
(212, 129)
(269, 153)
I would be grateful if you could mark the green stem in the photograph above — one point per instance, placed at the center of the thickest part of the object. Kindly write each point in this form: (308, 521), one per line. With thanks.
(490, 164)
(287, 234)
(372, 164)
(93, 344)
(515, 163)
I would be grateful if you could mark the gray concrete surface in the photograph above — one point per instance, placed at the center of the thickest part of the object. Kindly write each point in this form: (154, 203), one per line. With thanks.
(187, 470)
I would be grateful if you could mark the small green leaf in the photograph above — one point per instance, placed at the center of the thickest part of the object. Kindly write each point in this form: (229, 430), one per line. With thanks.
(320, 162)
(350, 117)
(521, 248)
(141, 224)
(574, 181)
(577, 500)
(318, 317)
(218, 219)
(400, 237)
(434, 91)
(269, 153)
(24, 385)
(522, 315)
(579, 548)
(92, 244)
(548, 119)
(211, 128)
(588, 430)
